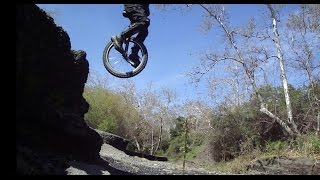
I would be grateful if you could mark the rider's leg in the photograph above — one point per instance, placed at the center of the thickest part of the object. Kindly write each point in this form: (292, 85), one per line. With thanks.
(134, 57)
(143, 33)
(131, 30)
(140, 25)
(136, 26)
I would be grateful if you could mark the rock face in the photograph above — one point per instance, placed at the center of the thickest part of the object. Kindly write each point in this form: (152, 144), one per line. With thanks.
(121, 144)
(50, 79)
(114, 140)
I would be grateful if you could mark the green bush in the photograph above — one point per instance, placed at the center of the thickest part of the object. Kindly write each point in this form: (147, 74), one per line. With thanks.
(101, 114)
(108, 124)
(194, 151)
(176, 148)
(276, 146)
(232, 127)
(165, 143)
(225, 144)
(308, 144)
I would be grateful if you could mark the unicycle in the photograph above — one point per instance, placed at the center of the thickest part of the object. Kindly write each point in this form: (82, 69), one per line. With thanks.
(119, 64)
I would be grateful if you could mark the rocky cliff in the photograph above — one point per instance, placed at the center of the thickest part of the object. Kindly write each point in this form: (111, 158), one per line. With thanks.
(50, 79)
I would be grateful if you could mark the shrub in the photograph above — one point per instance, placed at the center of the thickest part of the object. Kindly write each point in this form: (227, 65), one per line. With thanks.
(308, 144)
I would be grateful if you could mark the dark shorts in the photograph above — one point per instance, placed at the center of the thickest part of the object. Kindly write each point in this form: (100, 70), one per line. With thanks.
(136, 16)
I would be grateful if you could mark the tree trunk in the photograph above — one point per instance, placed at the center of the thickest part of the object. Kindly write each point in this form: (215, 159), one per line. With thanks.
(318, 124)
(152, 143)
(283, 72)
(185, 144)
(160, 137)
(278, 120)
(137, 143)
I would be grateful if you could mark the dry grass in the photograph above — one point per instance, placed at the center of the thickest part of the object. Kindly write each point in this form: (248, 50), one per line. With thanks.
(305, 147)
(240, 164)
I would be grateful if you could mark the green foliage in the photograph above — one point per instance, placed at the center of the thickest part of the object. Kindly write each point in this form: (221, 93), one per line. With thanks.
(165, 143)
(274, 97)
(232, 128)
(304, 110)
(308, 144)
(194, 151)
(176, 148)
(243, 129)
(238, 165)
(178, 130)
(109, 112)
(225, 144)
(276, 146)
(108, 124)
(101, 114)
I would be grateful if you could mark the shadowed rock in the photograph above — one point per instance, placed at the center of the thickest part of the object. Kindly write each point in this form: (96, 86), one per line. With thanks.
(50, 79)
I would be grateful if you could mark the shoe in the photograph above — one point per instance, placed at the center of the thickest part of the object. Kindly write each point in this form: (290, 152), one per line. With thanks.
(135, 59)
(117, 41)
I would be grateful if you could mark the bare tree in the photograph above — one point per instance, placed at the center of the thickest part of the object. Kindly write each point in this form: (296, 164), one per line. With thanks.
(134, 126)
(303, 39)
(96, 80)
(249, 62)
(199, 114)
(276, 41)
(166, 111)
(154, 110)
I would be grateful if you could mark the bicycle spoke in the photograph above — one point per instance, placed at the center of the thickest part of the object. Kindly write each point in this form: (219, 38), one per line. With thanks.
(117, 65)
(117, 62)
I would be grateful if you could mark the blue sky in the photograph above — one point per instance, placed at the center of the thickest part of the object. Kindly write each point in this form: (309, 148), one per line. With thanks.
(173, 44)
